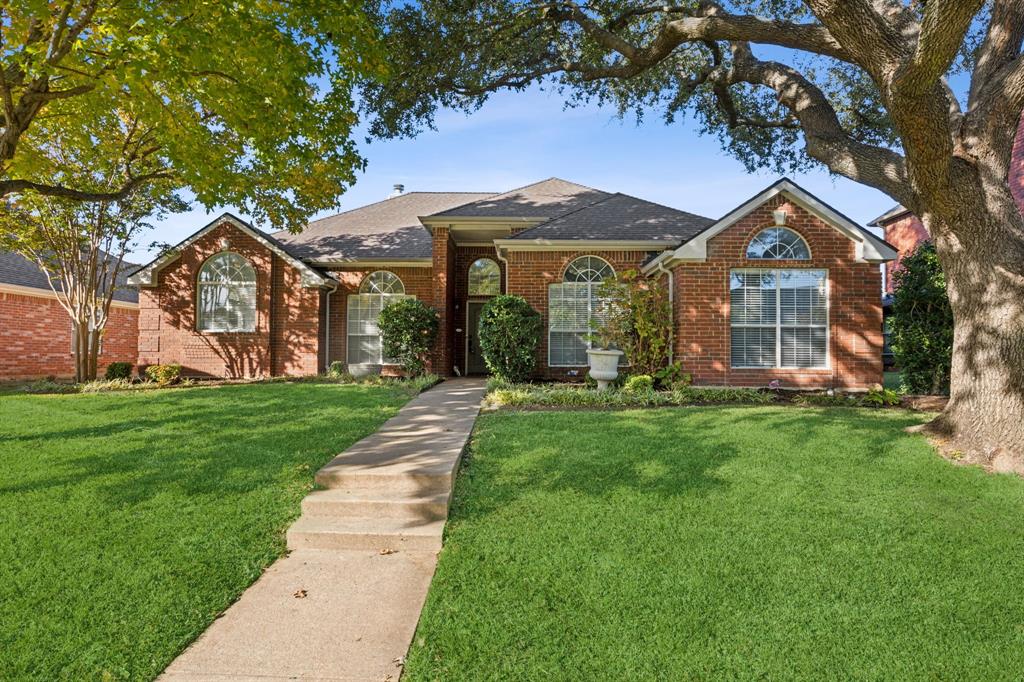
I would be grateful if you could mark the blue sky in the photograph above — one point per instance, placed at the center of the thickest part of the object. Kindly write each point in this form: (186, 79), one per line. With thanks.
(518, 138)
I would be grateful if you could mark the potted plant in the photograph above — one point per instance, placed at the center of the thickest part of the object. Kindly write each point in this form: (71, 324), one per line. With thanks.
(604, 360)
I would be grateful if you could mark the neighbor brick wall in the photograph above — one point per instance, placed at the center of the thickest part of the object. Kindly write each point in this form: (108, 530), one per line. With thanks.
(855, 313)
(530, 273)
(418, 282)
(35, 337)
(905, 234)
(285, 345)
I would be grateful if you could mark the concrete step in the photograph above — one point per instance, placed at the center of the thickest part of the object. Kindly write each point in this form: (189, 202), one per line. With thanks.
(375, 504)
(381, 482)
(334, 532)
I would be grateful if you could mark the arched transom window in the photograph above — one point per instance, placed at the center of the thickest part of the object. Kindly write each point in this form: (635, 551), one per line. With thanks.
(778, 243)
(382, 282)
(573, 306)
(484, 278)
(377, 290)
(227, 295)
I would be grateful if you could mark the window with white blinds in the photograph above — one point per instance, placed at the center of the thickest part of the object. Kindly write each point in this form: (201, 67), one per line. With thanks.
(378, 290)
(779, 318)
(572, 306)
(227, 295)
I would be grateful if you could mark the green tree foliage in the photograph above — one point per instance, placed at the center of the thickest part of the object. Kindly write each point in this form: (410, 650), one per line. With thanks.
(922, 322)
(509, 337)
(247, 102)
(408, 329)
(637, 321)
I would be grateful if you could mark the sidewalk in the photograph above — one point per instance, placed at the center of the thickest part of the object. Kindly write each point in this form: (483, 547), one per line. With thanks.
(344, 604)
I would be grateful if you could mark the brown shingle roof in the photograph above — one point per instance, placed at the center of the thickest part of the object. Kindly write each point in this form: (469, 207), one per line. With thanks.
(621, 217)
(388, 229)
(545, 199)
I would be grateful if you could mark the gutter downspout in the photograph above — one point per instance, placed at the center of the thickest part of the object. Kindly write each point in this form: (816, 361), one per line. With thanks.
(671, 310)
(327, 323)
(497, 252)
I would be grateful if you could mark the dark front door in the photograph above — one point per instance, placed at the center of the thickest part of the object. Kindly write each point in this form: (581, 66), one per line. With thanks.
(474, 358)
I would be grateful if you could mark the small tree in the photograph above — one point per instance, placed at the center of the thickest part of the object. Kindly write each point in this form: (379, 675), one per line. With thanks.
(509, 336)
(409, 329)
(922, 322)
(637, 321)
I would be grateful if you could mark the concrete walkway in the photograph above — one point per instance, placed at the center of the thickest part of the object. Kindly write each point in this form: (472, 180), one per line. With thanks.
(343, 605)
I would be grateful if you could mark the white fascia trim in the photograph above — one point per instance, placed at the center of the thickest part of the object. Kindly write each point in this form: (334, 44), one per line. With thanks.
(369, 262)
(868, 247)
(311, 279)
(20, 290)
(658, 263)
(579, 244)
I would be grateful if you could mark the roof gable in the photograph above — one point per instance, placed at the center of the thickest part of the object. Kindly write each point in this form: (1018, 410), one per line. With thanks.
(145, 276)
(869, 247)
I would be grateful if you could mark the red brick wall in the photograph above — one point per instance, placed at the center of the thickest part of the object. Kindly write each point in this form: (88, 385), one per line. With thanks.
(530, 273)
(167, 322)
(444, 298)
(855, 312)
(35, 337)
(419, 282)
(905, 234)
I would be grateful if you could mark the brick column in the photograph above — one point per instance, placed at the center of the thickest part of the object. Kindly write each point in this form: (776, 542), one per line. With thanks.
(444, 298)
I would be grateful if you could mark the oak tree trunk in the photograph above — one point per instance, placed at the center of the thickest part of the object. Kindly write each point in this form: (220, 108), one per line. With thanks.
(984, 267)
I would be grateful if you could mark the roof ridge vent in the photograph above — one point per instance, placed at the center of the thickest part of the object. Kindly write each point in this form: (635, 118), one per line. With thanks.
(397, 190)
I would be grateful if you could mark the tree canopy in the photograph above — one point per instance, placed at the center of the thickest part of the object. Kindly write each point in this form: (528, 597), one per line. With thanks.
(247, 103)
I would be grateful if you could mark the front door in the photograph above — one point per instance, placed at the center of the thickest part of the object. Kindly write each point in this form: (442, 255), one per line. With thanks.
(474, 358)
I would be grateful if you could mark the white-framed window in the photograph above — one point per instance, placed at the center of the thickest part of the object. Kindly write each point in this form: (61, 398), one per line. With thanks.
(778, 318)
(227, 295)
(572, 305)
(778, 243)
(484, 278)
(377, 290)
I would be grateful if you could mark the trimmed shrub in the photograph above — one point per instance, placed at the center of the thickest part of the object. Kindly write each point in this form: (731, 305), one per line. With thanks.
(337, 370)
(922, 323)
(408, 331)
(637, 320)
(163, 375)
(638, 383)
(565, 395)
(118, 370)
(509, 336)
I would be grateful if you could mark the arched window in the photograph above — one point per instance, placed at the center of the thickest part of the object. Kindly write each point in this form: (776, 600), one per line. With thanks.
(377, 290)
(572, 306)
(778, 243)
(382, 282)
(484, 278)
(227, 295)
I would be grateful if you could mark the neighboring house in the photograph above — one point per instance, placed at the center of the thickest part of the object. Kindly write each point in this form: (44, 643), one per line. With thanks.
(782, 288)
(36, 338)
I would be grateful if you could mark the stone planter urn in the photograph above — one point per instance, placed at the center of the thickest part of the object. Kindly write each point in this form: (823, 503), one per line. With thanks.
(364, 370)
(604, 366)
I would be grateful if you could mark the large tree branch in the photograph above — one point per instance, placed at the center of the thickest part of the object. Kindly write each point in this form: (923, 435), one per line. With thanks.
(871, 40)
(1002, 44)
(16, 185)
(943, 28)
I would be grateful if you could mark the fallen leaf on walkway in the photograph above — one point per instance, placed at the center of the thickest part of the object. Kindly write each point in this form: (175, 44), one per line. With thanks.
(388, 551)
(300, 594)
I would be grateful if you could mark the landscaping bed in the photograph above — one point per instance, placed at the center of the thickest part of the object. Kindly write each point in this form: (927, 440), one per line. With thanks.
(722, 543)
(131, 519)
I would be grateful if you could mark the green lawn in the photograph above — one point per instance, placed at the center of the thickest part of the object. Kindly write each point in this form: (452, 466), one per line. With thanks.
(723, 543)
(128, 521)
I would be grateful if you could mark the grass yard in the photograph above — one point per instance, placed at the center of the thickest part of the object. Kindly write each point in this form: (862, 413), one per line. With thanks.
(129, 520)
(723, 543)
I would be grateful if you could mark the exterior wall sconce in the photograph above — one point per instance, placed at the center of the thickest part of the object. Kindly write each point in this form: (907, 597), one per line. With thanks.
(225, 243)
(780, 217)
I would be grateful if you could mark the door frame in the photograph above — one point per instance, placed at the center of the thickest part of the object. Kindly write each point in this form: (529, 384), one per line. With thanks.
(471, 301)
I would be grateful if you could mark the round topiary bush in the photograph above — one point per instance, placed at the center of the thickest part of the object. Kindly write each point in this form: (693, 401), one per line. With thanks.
(118, 370)
(408, 330)
(922, 323)
(509, 335)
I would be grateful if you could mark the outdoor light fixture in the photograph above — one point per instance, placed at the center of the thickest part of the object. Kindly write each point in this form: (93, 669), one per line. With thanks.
(225, 243)
(780, 217)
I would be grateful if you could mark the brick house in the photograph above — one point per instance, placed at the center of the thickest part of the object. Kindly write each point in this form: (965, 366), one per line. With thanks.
(782, 288)
(36, 338)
